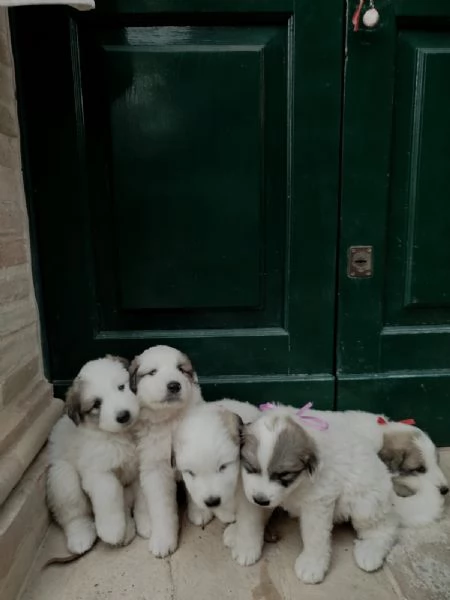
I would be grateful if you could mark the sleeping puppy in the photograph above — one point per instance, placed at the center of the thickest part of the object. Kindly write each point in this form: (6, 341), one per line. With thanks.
(206, 453)
(92, 457)
(166, 386)
(321, 476)
(413, 460)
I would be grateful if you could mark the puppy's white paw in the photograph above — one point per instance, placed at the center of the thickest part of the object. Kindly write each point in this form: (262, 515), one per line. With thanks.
(111, 528)
(161, 545)
(199, 516)
(368, 555)
(81, 535)
(130, 532)
(142, 524)
(244, 551)
(310, 569)
(225, 516)
(229, 535)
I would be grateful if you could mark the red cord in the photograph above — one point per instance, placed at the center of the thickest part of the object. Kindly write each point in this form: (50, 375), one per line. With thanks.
(357, 15)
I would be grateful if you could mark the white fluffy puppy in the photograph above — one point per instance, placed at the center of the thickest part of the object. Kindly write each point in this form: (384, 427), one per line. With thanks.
(166, 386)
(92, 456)
(412, 458)
(320, 476)
(207, 454)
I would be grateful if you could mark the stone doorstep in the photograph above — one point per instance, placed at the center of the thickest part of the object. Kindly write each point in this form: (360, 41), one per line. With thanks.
(24, 521)
(18, 457)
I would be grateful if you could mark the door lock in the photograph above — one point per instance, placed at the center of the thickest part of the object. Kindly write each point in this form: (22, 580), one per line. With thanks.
(360, 262)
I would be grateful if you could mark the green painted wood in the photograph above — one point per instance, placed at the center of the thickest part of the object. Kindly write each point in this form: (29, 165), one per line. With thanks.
(394, 326)
(418, 285)
(424, 397)
(184, 170)
(197, 7)
(421, 8)
(188, 158)
(295, 390)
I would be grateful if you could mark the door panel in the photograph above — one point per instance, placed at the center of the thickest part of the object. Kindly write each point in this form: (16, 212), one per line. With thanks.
(197, 190)
(394, 335)
(183, 168)
(195, 176)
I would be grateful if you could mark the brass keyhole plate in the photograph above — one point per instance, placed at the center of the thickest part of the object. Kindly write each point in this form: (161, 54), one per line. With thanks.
(360, 262)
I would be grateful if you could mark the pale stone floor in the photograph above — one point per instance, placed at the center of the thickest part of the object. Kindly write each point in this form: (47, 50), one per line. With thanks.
(202, 569)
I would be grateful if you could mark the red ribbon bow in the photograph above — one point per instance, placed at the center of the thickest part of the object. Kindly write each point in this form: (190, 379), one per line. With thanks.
(382, 421)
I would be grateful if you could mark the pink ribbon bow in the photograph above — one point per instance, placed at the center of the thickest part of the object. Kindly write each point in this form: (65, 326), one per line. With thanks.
(314, 422)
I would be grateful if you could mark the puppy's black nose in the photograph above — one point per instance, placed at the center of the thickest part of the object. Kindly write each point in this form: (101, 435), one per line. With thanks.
(444, 490)
(174, 387)
(123, 416)
(212, 501)
(261, 500)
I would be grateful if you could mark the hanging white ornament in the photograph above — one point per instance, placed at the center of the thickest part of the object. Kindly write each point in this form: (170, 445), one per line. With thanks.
(371, 18)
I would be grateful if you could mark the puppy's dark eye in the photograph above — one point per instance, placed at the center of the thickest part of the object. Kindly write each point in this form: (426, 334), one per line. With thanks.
(285, 477)
(421, 469)
(190, 473)
(153, 372)
(97, 403)
(121, 387)
(222, 468)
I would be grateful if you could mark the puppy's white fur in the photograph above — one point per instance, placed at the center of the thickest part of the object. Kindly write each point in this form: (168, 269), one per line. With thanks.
(336, 476)
(246, 411)
(154, 373)
(206, 450)
(92, 456)
(413, 460)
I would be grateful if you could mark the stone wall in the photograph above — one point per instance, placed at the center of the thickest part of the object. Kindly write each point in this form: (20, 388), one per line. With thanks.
(27, 407)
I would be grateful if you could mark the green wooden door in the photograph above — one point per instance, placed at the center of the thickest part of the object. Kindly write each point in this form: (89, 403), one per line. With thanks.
(394, 326)
(183, 171)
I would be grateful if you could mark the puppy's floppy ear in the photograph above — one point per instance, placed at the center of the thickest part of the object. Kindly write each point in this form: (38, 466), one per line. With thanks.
(132, 370)
(188, 369)
(233, 424)
(305, 446)
(392, 457)
(311, 462)
(123, 361)
(73, 402)
(401, 489)
(400, 453)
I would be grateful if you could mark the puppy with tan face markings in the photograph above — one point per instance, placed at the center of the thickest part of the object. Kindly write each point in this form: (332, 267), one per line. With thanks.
(166, 386)
(420, 485)
(206, 452)
(320, 476)
(92, 457)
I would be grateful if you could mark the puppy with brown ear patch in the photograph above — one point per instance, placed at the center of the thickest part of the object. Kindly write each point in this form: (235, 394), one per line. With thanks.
(320, 476)
(207, 454)
(166, 386)
(410, 455)
(92, 457)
